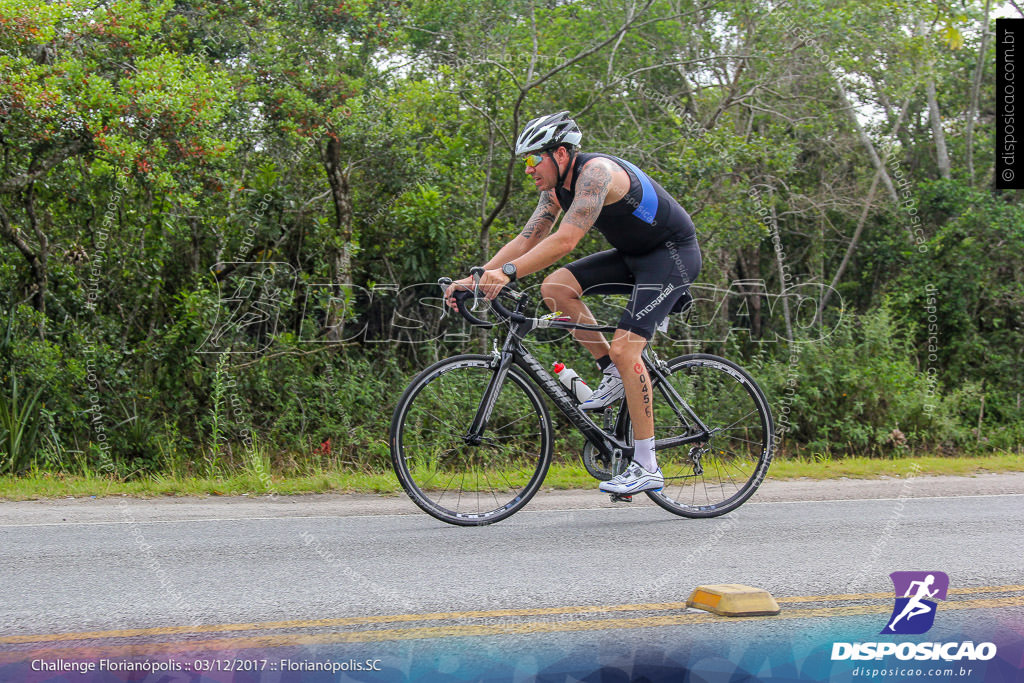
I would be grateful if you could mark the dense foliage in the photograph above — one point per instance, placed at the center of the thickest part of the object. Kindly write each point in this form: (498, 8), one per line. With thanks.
(216, 218)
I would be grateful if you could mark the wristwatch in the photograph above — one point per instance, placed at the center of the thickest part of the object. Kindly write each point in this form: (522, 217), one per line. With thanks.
(510, 271)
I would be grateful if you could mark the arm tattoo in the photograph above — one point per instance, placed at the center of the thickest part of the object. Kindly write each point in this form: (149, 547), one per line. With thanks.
(543, 217)
(592, 188)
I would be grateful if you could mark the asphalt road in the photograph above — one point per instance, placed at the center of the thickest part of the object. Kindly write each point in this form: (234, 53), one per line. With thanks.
(236, 574)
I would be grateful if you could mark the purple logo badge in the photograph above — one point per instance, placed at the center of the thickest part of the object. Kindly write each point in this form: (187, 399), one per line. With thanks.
(914, 612)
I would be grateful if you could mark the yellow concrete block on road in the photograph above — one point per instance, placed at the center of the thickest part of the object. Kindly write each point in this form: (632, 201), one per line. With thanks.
(733, 600)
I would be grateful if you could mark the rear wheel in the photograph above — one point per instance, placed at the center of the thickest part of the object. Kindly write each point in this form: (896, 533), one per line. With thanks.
(720, 472)
(442, 469)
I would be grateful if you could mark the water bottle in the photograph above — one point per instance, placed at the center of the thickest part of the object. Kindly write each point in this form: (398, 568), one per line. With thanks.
(573, 382)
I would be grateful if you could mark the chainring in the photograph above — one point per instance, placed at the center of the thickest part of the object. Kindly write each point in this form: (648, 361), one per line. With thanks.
(600, 467)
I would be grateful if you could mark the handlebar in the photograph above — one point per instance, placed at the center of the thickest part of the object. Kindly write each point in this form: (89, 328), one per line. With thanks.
(462, 295)
(508, 316)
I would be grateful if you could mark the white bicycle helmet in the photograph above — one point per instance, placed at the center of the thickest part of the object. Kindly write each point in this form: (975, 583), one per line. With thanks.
(546, 132)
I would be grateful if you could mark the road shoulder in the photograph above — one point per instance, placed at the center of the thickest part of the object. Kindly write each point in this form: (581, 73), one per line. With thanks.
(123, 509)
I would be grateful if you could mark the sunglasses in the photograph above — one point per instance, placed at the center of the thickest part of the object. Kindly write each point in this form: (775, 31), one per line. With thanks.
(532, 160)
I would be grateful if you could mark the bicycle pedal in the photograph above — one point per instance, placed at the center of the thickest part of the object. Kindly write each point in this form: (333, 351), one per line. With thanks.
(621, 498)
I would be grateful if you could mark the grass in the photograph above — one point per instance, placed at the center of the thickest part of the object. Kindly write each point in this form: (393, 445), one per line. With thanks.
(255, 481)
(868, 468)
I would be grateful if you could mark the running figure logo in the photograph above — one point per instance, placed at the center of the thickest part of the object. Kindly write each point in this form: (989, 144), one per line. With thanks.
(914, 612)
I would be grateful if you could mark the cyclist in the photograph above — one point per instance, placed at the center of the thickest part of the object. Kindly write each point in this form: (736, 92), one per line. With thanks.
(654, 259)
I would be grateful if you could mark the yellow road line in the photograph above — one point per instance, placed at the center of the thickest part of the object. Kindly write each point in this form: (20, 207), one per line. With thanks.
(480, 614)
(889, 595)
(182, 648)
(345, 621)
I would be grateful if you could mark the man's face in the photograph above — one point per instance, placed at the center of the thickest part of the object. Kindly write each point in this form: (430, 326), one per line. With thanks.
(545, 172)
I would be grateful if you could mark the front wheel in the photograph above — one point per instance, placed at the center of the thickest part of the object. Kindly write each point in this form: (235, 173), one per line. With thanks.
(722, 470)
(449, 474)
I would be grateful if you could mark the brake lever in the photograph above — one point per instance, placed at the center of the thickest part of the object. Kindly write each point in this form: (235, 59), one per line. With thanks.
(476, 272)
(444, 283)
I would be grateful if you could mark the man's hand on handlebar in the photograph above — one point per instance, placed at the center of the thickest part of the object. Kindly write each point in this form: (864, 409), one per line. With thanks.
(491, 284)
(449, 294)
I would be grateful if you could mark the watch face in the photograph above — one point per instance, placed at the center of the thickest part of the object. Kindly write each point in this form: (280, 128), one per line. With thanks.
(508, 269)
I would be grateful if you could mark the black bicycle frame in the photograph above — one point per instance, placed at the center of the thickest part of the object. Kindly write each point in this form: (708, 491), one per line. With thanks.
(513, 351)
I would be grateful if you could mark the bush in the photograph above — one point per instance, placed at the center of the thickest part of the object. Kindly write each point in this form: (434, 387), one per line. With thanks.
(860, 391)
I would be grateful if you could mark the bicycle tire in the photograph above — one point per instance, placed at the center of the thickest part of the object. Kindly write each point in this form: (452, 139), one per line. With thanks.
(735, 460)
(427, 439)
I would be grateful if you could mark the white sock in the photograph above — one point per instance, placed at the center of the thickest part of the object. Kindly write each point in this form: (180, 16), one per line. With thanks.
(612, 370)
(643, 454)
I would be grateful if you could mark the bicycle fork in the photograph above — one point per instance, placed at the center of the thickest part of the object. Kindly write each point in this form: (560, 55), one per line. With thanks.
(475, 435)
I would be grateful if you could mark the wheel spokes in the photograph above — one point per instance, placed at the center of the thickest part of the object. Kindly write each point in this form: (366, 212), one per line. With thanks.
(454, 476)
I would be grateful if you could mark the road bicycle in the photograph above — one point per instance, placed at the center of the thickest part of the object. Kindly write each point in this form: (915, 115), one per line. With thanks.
(472, 438)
